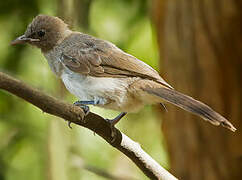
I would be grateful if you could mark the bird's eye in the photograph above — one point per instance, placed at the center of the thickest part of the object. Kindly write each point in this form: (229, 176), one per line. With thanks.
(41, 33)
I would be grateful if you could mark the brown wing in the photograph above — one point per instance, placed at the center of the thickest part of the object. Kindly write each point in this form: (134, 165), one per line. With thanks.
(95, 57)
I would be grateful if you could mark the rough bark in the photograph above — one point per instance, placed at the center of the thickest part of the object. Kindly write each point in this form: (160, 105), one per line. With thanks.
(201, 55)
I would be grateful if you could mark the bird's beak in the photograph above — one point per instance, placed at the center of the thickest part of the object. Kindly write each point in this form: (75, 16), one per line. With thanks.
(23, 39)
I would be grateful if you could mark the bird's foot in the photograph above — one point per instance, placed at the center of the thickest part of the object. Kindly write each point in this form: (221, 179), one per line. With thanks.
(83, 106)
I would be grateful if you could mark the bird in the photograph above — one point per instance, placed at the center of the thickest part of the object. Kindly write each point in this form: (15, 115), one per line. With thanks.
(99, 73)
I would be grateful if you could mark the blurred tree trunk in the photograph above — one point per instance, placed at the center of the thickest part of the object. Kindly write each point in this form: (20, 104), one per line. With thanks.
(201, 55)
(75, 12)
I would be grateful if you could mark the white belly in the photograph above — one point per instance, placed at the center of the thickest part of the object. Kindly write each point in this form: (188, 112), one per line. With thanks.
(110, 93)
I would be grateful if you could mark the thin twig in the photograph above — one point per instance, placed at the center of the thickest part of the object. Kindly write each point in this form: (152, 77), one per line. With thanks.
(79, 163)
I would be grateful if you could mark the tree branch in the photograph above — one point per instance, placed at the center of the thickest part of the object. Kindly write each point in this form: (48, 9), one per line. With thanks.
(92, 121)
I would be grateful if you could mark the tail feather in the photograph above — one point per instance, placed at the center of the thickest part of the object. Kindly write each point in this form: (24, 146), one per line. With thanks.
(189, 104)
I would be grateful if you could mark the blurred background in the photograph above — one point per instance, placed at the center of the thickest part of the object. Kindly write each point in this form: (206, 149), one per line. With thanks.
(197, 48)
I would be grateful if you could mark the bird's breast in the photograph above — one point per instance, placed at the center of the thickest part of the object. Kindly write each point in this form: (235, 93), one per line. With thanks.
(53, 58)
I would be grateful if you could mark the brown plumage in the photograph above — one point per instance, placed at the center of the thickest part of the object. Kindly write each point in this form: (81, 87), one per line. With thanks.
(191, 105)
(97, 71)
(99, 58)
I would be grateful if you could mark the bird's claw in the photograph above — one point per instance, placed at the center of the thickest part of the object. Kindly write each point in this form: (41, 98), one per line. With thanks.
(85, 108)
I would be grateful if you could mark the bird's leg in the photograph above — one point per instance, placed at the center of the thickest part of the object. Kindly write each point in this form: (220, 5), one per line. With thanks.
(77, 103)
(114, 121)
(83, 105)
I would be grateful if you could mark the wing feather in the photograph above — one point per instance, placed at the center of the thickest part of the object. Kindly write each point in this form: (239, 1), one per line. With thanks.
(99, 58)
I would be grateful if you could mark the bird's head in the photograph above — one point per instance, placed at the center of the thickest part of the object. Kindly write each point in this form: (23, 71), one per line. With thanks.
(44, 32)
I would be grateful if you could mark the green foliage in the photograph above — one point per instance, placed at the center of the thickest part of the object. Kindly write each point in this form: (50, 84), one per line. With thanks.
(35, 145)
